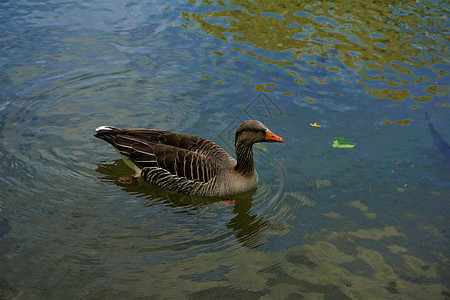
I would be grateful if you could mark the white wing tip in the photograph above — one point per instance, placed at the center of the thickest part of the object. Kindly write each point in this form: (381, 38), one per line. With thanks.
(103, 128)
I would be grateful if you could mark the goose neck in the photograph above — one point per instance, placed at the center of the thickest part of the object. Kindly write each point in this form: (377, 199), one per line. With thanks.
(244, 156)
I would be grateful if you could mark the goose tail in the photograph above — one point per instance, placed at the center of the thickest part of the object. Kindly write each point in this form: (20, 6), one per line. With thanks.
(106, 133)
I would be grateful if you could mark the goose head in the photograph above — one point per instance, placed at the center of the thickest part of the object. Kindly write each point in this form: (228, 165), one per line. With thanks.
(253, 131)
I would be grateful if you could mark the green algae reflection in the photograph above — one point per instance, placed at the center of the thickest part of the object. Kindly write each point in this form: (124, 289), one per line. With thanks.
(383, 41)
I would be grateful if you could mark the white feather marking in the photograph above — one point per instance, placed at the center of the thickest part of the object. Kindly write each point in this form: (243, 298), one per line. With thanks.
(103, 128)
(175, 167)
(192, 167)
(125, 146)
(198, 172)
(147, 153)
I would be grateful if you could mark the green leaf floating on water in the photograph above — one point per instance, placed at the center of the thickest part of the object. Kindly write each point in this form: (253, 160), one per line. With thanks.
(340, 144)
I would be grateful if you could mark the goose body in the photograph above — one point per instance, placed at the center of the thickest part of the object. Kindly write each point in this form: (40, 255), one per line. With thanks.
(189, 164)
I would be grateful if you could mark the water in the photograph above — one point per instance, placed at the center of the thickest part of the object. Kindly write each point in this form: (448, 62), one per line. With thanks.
(323, 223)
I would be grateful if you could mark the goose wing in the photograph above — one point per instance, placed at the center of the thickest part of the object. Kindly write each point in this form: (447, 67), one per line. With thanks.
(166, 153)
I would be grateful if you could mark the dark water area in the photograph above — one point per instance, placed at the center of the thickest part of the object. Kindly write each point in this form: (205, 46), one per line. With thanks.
(324, 223)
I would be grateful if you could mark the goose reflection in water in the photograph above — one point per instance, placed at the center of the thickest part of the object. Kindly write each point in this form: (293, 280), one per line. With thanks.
(247, 227)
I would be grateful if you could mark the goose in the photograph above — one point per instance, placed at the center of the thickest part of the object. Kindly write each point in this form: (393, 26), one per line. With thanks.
(188, 164)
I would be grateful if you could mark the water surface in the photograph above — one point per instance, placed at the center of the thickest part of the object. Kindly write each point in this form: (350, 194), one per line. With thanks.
(323, 223)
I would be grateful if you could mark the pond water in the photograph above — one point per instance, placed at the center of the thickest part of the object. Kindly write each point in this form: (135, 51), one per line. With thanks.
(324, 223)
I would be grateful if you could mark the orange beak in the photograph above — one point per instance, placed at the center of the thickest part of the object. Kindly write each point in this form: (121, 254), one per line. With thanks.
(272, 137)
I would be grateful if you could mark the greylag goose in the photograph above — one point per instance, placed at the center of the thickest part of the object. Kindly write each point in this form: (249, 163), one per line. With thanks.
(189, 164)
